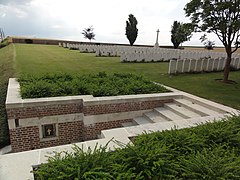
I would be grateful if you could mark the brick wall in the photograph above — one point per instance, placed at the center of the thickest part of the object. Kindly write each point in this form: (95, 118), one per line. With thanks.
(123, 107)
(93, 130)
(69, 115)
(24, 138)
(41, 111)
(27, 138)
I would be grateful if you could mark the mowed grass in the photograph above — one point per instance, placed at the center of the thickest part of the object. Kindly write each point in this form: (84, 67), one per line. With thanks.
(40, 59)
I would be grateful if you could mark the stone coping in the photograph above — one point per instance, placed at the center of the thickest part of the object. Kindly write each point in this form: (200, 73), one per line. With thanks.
(14, 99)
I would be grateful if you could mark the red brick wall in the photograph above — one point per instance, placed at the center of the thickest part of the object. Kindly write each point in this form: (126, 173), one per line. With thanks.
(41, 111)
(91, 131)
(24, 138)
(27, 138)
(123, 107)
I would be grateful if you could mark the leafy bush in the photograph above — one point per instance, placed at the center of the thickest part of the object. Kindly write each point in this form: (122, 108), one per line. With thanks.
(101, 84)
(4, 43)
(193, 153)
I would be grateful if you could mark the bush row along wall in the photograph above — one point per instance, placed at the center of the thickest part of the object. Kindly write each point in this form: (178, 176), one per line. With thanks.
(75, 119)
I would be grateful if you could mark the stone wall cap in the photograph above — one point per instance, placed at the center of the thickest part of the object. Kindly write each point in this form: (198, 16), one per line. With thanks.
(14, 99)
(131, 98)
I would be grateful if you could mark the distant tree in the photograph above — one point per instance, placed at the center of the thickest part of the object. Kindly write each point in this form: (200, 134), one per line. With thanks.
(131, 29)
(2, 35)
(88, 33)
(180, 33)
(220, 17)
(207, 42)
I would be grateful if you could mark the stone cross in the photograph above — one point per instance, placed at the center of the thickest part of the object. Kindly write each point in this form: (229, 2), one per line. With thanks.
(156, 44)
(49, 131)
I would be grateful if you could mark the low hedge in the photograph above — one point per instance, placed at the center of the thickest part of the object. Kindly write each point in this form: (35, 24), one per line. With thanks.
(101, 84)
(209, 151)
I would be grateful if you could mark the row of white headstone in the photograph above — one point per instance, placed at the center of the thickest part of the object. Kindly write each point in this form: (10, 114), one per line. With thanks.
(147, 54)
(181, 61)
(201, 65)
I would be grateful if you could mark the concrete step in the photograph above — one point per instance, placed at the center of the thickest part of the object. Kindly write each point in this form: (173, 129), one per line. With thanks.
(6, 149)
(154, 116)
(142, 120)
(168, 114)
(201, 110)
(212, 107)
(128, 124)
(181, 111)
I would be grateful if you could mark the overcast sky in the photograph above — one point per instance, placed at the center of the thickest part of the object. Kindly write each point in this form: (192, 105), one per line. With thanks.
(65, 19)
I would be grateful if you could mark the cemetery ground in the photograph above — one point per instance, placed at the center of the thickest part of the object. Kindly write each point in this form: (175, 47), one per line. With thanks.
(41, 59)
(16, 59)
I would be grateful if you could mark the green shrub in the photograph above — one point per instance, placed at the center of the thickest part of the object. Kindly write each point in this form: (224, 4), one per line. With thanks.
(4, 43)
(175, 154)
(212, 163)
(100, 84)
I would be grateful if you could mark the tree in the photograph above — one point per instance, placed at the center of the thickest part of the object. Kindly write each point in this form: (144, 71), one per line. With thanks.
(131, 29)
(207, 42)
(180, 33)
(2, 35)
(88, 33)
(220, 17)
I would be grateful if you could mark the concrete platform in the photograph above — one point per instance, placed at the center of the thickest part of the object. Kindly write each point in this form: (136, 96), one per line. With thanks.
(142, 120)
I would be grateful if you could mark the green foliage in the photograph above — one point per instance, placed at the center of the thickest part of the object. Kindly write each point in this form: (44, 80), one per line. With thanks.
(180, 33)
(88, 33)
(101, 84)
(131, 29)
(207, 42)
(219, 17)
(211, 163)
(192, 153)
(4, 43)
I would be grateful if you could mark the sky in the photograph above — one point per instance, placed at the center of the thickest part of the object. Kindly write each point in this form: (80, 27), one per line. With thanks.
(65, 19)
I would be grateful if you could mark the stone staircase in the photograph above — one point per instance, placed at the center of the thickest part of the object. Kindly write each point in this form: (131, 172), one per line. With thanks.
(180, 109)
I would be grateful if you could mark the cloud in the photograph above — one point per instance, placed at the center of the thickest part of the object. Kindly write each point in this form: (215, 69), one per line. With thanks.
(66, 19)
(19, 2)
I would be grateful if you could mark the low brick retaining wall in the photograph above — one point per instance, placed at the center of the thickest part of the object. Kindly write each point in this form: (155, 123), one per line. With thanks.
(46, 122)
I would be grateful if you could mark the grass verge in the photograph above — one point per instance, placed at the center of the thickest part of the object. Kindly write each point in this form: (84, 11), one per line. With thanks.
(7, 71)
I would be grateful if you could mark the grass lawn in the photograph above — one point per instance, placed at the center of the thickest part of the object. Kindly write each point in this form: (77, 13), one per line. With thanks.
(40, 59)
